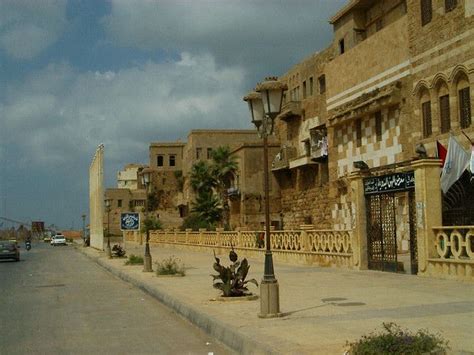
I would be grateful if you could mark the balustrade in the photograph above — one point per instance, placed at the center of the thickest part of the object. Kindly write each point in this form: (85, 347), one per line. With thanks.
(456, 242)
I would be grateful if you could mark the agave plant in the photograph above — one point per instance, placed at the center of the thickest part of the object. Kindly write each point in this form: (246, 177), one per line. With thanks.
(231, 280)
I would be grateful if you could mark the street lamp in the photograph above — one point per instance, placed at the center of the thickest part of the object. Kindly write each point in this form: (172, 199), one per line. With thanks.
(265, 105)
(108, 207)
(146, 177)
(84, 228)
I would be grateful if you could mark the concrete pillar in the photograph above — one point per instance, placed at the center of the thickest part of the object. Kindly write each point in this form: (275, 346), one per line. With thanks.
(428, 207)
(359, 236)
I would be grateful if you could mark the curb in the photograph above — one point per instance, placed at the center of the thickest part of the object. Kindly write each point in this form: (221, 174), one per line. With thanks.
(215, 328)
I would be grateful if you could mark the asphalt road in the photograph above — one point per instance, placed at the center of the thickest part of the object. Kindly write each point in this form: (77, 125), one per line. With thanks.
(56, 301)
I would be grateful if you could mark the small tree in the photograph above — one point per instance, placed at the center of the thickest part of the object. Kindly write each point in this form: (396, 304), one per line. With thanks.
(207, 207)
(151, 223)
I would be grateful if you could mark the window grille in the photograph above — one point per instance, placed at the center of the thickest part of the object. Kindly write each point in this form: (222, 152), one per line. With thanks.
(426, 12)
(427, 125)
(444, 113)
(358, 129)
(322, 84)
(464, 107)
(378, 125)
(450, 5)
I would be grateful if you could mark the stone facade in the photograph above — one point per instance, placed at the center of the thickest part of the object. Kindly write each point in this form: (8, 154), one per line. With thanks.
(127, 178)
(247, 197)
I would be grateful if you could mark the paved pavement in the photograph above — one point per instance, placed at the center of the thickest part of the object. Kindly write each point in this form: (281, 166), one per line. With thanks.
(323, 307)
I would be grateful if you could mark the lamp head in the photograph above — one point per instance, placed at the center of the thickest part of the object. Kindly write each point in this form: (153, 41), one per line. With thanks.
(254, 100)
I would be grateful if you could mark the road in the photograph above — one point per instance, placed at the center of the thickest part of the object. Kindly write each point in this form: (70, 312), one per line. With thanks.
(56, 301)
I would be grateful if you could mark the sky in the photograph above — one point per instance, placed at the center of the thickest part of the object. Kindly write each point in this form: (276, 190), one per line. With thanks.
(78, 73)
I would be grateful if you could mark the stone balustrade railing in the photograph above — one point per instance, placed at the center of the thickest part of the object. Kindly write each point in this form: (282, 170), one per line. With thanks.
(455, 242)
(451, 253)
(324, 247)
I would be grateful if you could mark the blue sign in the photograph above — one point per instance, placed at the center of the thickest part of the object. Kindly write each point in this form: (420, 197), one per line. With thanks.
(130, 221)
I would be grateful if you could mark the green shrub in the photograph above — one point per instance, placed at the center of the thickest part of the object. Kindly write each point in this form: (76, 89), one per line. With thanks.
(395, 340)
(170, 266)
(195, 222)
(134, 260)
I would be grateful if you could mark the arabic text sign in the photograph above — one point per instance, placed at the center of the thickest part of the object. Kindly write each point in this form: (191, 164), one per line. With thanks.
(389, 183)
(130, 221)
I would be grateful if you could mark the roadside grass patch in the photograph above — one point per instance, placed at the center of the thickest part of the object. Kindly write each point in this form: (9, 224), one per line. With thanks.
(395, 340)
(134, 260)
(170, 266)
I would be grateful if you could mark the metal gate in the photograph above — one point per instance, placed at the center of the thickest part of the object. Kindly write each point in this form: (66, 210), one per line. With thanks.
(381, 221)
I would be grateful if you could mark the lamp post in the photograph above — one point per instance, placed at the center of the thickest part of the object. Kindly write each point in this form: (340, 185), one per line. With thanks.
(265, 105)
(145, 176)
(107, 206)
(84, 228)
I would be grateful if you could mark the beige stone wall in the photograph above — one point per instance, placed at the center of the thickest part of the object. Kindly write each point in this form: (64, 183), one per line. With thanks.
(166, 150)
(127, 178)
(380, 58)
(247, 210)
(96, 199)
(442, 62)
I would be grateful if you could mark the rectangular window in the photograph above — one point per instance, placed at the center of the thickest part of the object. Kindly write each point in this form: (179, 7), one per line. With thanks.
(311, 86)
(450, 5)
(464, 107)
(304, 89)
(322, 84)
(426, 12)
(159, 160)
(297, 93)
(426, 112)
(378, 125)
(119, 203)
(378, 25)
(444, 113)
(358, 129)
(341, 46)
(209, 153)
(198, 153)
(172, 160)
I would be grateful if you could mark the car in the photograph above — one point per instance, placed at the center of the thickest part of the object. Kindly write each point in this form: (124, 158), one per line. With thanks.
(58, 239)
(9, 249)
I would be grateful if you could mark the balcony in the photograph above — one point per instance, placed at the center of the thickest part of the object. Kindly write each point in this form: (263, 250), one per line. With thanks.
(301, 161)
(233, 193)
(319, 145)
(282, 159)
(290, 110)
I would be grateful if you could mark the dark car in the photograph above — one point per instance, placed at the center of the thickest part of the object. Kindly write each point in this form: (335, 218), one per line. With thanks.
(9, 250)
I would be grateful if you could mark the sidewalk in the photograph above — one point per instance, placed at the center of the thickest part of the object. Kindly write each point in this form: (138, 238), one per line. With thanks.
(323, 307)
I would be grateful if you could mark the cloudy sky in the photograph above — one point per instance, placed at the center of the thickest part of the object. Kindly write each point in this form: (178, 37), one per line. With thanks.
(77, 73)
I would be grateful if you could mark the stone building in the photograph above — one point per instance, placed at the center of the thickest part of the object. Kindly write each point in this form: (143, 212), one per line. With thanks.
(246, 195)
(127, 178)
(396, 79)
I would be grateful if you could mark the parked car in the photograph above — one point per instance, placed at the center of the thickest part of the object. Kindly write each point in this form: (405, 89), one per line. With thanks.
(58, 239)
(9, 249)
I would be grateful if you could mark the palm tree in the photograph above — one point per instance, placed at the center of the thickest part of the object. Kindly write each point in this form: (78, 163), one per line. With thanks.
(224, 167)
(207, 207)
(202, 179)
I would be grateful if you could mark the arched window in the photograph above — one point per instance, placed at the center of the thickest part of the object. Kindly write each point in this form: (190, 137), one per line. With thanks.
(464, 100)
(425, 103)
(444, 115)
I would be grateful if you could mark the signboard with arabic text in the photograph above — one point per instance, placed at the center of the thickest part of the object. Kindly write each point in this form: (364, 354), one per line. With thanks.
(130, 221)
(389, 183)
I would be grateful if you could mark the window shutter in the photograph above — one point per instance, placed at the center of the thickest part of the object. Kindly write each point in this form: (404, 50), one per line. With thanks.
(444, 113)
(427, 126)
(464, 107)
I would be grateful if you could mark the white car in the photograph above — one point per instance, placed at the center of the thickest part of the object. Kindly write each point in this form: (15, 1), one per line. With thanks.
(58, 239)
